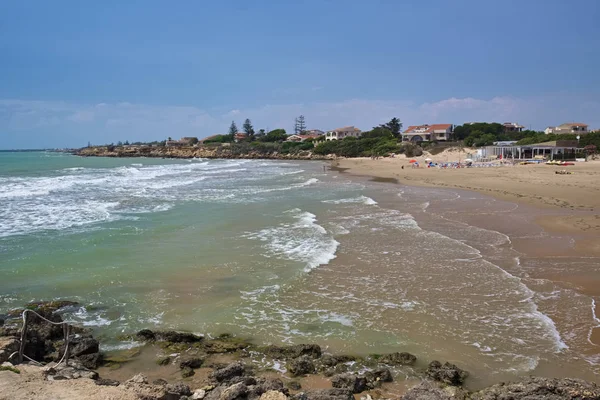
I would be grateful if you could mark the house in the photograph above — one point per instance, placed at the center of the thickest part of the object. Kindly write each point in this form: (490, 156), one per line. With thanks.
(240, 136)
(302, 138)
(314, 132)
(432, 133)
(512, 127)
(342, 133)
(567, 128)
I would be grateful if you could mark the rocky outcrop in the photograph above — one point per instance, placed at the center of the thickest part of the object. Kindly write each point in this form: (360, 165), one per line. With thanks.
(8, 345)
(534, 388)
(228, 373)
(44, 340)
(232, 151)
(398, 359)
(291, 352)
(146, 335)
(447, 373)
(72, 370)
(355, 383)
(325, 394)
(301, 366)
(428, 390)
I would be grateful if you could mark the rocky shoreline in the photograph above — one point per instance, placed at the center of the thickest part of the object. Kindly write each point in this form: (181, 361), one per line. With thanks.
(188, 366)
(186, 152)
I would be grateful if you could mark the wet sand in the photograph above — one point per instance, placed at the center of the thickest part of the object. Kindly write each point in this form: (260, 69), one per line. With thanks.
(555, 226)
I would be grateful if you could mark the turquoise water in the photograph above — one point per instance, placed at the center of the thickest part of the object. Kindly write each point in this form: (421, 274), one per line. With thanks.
(285, 252)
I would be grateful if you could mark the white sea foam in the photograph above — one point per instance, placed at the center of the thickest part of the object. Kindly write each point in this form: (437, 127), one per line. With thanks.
(302, 240)
(361, 199)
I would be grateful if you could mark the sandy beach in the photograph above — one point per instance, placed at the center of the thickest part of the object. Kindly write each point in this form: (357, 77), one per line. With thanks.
(566, 207)
(536, 185)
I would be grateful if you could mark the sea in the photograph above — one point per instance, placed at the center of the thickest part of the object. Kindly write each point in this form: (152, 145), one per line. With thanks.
(291, 252)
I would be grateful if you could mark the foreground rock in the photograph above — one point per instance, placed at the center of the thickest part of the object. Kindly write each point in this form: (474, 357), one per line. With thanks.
(447, 373)
(291, 352)
(354, 383)
(44, 340)
(428, 390)
(535, 388)
(325, 394)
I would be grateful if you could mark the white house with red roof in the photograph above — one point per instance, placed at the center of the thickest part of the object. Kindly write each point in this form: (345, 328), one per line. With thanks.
(430, 133)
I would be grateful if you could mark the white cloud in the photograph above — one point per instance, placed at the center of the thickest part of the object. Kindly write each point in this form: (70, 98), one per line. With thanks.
(71, 124)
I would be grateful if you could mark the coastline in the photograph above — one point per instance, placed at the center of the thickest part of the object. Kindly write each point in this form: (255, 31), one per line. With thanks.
(575, 198)
(564, 207)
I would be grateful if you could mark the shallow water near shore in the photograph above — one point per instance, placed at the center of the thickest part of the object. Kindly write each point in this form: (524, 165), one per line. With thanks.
(283, 252)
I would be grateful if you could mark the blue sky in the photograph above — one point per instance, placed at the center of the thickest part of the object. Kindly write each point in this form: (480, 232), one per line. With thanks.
(79, 71)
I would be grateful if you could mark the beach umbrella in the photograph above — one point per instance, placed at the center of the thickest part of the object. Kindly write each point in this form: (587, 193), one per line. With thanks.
(413, 161)
(428, 159)
(468, 160)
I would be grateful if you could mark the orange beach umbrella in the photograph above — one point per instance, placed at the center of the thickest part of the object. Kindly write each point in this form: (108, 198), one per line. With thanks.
(412, 161)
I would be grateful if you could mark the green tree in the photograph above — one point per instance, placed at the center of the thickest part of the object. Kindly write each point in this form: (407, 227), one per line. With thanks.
(248, 129)
(276, 135)
(378, 131)
(300, 125)
(233, 129)
(394, 126)
(119, 143)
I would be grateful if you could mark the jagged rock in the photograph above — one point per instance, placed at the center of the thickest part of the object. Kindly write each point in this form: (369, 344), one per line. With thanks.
(273, 395)
(82, 346)
(535, 388)
(329, 360)
(73, 370)
(338, 369)
(224, 344)
(91, 361)
(427, 390)
(269, 385)
(198, 394)
(398, 359)
(325, 394)
(146, 335)
(193, 363)
(355, 383)
(49, 306)
(301, 366)
(291, 352)
(178, 388)
(139, 378)
(446, 373)
(107, 382)
(159, 382)
(237, 391)
(376, 377)
(294, 385)
(227, 373)
(186, 372)
(263, 385)
(163, 361)
(8, 345)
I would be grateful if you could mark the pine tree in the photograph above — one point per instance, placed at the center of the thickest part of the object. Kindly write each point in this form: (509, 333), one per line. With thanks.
(233, 128)
(395, 126)
(300, 125)
(248, 129)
